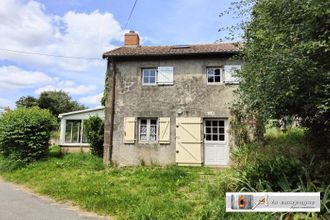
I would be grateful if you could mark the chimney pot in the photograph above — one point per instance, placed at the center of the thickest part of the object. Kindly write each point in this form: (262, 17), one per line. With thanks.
(132, 39)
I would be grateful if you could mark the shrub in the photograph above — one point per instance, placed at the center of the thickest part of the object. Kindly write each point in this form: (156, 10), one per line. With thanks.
(94, 128)
(25, 134)
(271, 174)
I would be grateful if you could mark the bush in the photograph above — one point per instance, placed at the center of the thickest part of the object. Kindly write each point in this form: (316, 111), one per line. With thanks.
(25, 134)
(94, 128)
(271, 174)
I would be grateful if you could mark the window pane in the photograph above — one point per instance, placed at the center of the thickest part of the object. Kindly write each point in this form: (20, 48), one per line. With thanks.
(152, 80)
(145, 80)
(84, 137)
(153, 130)
(152, 133)
(215, 123)
(152, 72)
(143, 121)
(143, 131)
(215, 130)
(143, 137)
(217, 72)
(221, 123)
(149, 76)
(215, 137)
(208, 130)
(75, 132)
(210, 72)
(208, 123)
(221, 137)
(208, 137)
(68, 132)
(217, 79)
(222, 130)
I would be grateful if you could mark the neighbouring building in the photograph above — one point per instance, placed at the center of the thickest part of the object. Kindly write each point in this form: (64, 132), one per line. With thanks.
(169, 104)
(72, 135)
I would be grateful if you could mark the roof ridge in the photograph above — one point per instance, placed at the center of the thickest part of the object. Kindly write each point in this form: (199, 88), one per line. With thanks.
(173, 45)
(150, 50)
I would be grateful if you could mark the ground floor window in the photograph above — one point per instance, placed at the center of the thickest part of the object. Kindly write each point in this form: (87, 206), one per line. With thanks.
(148, 129)
(74, 132)
(214, 130)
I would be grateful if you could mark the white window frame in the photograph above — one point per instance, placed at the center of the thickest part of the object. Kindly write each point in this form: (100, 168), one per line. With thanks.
(148, 130)
(79, 131)
(218, 128)
(156, 76)
(221, 75)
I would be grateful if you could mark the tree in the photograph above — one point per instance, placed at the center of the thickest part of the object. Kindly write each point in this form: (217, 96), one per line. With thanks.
(286, 63)
(27, 101)
(58, 102)
(94, 128)
(25, 133)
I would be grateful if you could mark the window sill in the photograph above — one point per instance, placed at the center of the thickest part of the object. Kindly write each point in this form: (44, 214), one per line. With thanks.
(148, 142)
(215, 84)
(147, 85)
(74, 144)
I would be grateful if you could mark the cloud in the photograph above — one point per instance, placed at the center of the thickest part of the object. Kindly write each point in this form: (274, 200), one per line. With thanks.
(73, 34)
(92, 100)
(67, 86)
(12, 77)
(5, 103)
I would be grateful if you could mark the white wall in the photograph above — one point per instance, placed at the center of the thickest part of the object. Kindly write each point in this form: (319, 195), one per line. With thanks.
(77, 116)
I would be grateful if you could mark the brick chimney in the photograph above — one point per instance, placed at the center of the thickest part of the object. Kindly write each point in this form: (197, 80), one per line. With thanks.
(132, 39)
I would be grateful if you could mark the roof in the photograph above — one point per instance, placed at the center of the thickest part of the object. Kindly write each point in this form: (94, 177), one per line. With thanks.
(217, 48)
(81, 111)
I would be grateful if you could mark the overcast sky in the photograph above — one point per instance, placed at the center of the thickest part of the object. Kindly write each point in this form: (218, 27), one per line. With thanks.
(87, 28)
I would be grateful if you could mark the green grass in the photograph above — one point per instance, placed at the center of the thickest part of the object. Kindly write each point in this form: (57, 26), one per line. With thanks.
(129, 193)
(146, 192)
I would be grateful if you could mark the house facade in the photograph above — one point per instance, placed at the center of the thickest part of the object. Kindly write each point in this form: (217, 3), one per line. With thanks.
(169, 104)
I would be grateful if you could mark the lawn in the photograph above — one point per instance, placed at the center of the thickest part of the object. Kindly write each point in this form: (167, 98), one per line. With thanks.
(174, 192)
(130, 193)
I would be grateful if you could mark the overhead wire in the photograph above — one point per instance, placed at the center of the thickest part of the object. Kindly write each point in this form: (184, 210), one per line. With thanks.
(130, 14)
(49, 55)
(67, 57)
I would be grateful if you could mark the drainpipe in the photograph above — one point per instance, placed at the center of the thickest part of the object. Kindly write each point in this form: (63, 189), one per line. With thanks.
(109, 111)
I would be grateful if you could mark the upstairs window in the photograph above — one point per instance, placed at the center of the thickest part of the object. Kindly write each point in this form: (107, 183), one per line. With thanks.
(148, 129)
(214, 75)
(149, 76)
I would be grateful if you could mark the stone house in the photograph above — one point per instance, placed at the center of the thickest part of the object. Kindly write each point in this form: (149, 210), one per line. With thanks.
(169, 104)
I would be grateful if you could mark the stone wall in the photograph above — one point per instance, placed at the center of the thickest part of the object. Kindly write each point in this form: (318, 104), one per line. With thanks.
(190, 93)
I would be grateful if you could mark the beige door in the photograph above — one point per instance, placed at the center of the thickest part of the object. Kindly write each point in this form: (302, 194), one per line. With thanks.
(189, 141)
